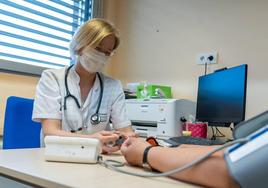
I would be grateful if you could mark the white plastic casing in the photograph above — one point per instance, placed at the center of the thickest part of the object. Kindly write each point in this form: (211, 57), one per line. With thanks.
(72, 149)
(159, 118)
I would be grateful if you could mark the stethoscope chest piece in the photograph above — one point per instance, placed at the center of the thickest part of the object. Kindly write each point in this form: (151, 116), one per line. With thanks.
(95, 119)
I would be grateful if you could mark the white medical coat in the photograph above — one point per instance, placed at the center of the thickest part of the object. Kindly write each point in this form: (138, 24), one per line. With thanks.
(49, 100)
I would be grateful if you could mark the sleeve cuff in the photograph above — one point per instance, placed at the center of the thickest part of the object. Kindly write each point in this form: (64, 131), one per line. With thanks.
(38, 117)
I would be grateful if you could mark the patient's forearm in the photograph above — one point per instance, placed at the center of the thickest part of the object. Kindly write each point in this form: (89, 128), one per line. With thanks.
(212, 172)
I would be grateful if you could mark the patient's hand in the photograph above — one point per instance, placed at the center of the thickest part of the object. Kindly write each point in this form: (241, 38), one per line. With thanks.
(133, 149)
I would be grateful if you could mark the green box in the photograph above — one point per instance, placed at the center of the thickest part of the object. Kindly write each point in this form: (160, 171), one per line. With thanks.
(150, 91)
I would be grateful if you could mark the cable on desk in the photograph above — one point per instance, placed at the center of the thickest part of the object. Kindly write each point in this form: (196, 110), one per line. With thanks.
(109, 162)
(220, 133)
(213, 134)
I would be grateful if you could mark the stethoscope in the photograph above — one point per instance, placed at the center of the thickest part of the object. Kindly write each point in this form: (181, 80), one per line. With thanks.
(96, 117)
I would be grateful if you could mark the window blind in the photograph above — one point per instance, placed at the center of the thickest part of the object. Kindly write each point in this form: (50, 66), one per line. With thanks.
(38, 32)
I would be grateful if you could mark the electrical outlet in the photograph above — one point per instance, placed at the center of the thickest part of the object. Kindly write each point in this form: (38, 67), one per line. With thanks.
(209, 58)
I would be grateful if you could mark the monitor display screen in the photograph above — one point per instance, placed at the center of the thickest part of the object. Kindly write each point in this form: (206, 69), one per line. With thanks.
(221, 97)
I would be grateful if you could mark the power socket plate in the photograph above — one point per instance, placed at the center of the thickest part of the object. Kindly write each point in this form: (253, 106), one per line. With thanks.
(203, 58)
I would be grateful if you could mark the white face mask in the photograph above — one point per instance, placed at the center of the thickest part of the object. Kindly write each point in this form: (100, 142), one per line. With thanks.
(93, 60)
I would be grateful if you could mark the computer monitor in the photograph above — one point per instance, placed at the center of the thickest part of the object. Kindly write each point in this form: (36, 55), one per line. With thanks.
(221, 98)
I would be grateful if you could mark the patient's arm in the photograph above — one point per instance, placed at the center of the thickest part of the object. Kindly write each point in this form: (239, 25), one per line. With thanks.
(212, 172)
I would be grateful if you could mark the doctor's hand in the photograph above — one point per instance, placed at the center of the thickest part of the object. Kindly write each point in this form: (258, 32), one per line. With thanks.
(106, 138)
(127, 132)
(133, 149)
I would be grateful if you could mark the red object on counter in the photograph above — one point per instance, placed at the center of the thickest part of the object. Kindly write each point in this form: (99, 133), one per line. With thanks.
(198, 129)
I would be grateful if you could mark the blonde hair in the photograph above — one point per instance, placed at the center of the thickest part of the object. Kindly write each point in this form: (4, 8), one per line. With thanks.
(91, 34)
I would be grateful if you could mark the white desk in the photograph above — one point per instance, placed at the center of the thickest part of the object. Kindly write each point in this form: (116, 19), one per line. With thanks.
(28, 165)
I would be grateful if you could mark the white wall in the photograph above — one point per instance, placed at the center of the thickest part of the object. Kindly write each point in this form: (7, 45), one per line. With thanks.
(161, 38)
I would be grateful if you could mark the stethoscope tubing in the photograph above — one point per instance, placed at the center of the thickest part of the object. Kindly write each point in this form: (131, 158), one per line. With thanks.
(69, 95)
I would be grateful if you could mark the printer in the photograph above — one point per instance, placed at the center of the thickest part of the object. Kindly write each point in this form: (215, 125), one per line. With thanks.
(160, 118)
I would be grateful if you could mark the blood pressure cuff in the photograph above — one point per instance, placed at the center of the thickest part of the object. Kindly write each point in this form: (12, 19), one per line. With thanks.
(248, 163)
(245, 128)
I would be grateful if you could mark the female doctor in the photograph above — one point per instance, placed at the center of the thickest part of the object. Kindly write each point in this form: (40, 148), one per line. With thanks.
(79, 100)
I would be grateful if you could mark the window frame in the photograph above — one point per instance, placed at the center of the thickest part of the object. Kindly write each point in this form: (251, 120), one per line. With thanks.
(17, 67)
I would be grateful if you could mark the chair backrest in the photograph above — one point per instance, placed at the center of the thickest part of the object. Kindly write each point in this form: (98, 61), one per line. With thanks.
(19, 129)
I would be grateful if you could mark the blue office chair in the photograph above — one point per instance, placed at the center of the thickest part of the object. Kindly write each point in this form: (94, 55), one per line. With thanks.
(19, 129)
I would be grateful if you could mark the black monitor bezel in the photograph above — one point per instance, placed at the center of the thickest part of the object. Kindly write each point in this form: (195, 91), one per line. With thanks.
(227, 123)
